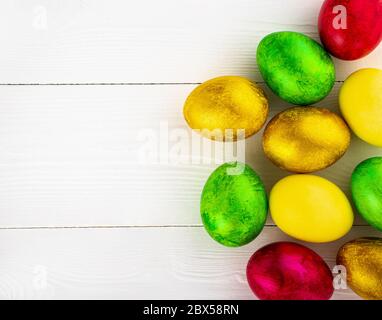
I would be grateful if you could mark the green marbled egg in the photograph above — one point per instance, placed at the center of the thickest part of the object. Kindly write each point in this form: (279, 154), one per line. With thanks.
(366, 188)
(234, 204)
(295, 67)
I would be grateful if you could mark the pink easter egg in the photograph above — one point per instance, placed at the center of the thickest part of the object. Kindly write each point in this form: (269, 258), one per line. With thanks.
(289, 271)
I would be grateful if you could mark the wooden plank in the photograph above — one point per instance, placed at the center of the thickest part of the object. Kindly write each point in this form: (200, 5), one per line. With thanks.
(71, 156)
(148, 41)
(135, 263)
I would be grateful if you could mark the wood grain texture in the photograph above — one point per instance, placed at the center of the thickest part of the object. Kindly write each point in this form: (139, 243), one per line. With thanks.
(65, 41)
(135, 263)
(81, 215)
(71, 156)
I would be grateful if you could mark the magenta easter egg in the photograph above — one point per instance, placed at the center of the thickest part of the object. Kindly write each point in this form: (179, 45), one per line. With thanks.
(350, 30)
(289, 271)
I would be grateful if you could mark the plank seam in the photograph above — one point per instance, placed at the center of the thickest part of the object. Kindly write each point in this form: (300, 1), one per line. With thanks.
(103, 84)
(115, 84)
(122, 227)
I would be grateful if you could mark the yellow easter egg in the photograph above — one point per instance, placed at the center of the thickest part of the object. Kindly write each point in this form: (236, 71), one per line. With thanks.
(361, 104)
(310, 208)
(226, 108)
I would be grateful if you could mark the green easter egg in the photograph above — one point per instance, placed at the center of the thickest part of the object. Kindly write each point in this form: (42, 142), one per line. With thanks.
(366, 188)
(295, 67)
(234, 205)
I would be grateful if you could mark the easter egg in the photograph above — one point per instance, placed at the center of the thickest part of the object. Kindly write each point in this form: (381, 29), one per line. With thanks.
(361, 104)
(310, 208)
(350, 30)
(305, 139)
(289, 271)
(366, 188)
(295, 67)
(226, 108)
(234, 205)
(362, 259)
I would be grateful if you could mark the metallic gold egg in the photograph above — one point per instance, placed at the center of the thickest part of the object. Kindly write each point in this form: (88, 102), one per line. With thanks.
(223, 107)
(362, 259)
(306, 139)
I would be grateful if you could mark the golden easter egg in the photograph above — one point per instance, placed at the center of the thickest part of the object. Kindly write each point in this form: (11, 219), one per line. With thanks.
(306, 139)
(226, 108)
(362, 259)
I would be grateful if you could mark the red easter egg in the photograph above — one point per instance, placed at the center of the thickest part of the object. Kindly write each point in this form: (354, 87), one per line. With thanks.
(289, 271)
(350, 29)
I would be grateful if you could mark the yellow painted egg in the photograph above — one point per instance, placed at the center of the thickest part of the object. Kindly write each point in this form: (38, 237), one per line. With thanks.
(310, 208)
(361, 104)
(362, 259)
(226, 108)
(306, 139)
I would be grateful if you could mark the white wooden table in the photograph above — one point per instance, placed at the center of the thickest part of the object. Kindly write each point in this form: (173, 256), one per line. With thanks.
(80, 215)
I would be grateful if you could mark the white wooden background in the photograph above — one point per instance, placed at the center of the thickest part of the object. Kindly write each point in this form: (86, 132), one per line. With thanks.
(80, 216)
